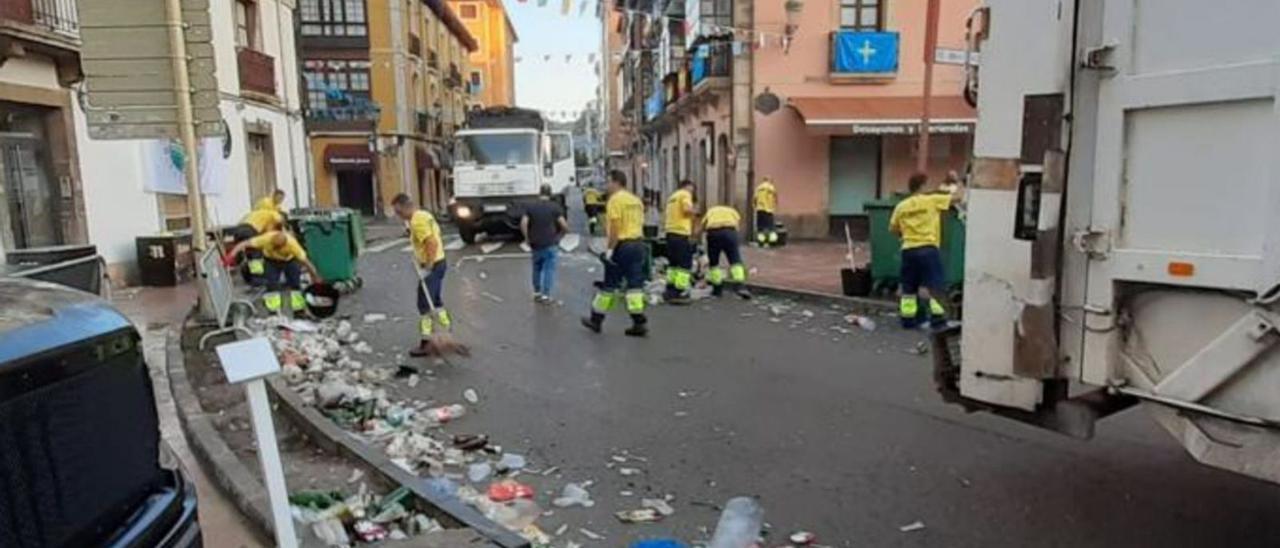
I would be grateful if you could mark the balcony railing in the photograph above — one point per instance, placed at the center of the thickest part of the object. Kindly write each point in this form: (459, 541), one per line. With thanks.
(55, 15)
(711, 61)
(257, 71)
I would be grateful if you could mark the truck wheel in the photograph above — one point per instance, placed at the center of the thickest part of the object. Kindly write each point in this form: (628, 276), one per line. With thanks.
(468, 234)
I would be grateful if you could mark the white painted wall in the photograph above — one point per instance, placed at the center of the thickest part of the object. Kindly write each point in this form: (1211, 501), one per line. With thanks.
(118, 208)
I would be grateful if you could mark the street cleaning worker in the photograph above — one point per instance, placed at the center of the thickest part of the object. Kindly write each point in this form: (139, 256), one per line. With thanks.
(593, 205)
(624, 259)
(680, 217)
(274, 202)
(255, 223)
(285, 259)
(918, 221)
(428, 251)
(721, 225)
(766, 204)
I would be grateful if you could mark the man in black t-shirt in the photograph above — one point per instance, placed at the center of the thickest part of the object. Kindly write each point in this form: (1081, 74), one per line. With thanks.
(543, 224)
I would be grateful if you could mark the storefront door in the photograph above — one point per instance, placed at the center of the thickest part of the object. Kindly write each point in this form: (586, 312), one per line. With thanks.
(855, 174)
(355, 190)
(31, 201)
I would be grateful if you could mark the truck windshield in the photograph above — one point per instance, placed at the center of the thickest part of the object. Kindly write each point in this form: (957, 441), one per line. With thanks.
(504, 149)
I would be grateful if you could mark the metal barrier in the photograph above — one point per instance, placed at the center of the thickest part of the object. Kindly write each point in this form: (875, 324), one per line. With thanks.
(220, 290)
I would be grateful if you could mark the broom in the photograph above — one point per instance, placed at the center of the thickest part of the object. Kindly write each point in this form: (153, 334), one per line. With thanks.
(442, 342)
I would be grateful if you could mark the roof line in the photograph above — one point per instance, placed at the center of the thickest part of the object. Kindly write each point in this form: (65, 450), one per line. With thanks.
(446, 14)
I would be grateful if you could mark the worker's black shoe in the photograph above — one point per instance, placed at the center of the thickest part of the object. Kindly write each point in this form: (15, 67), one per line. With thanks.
(717, 291)
(595, 322)
(744, 293)
(424, 350)
(639, 326)
(678, 298)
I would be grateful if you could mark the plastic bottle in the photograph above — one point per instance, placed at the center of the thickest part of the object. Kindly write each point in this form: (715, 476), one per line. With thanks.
(739, 525)
(447, 413)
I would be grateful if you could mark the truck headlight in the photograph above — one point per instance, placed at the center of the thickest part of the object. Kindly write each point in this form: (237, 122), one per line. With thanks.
(463, 212)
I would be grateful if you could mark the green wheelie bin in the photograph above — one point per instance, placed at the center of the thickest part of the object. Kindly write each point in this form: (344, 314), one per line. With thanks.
(886, 248)
(327, 238)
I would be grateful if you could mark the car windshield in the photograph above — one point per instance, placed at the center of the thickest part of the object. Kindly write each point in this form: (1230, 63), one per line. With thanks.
(503, 149)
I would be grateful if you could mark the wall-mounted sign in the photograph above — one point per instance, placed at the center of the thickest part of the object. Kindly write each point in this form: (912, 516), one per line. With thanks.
(950, 128)
(949, 56)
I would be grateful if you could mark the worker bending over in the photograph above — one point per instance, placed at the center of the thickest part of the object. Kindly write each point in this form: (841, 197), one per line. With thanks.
(766, 204)
(593, 205)
(918, 221)
(624, 259)
(284, 258)
(721, 225)
(428, 252)
(256, 223)
(680, 217)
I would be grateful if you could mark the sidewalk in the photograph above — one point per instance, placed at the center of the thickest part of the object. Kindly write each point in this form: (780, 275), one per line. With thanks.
(155, 311)
(812, 265)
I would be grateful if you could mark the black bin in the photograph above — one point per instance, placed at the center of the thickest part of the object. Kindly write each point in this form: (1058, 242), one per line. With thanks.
(856, 283)
(165, 260)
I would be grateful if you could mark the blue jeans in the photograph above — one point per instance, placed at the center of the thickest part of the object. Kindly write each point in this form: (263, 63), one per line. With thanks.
(434, 280)
(544, 270)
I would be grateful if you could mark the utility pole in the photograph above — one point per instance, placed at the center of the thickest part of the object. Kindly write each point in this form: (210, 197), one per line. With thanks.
(186, 126)
(930, 47)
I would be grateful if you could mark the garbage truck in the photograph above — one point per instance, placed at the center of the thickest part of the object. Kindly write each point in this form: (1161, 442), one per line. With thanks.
(502, 158)
(1124, 222)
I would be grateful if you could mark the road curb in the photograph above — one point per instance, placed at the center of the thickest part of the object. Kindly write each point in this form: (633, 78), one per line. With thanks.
(824, 298)
(329, 436)
(213, 454)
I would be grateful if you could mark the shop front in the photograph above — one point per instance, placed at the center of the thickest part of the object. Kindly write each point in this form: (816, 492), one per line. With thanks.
(347, 177)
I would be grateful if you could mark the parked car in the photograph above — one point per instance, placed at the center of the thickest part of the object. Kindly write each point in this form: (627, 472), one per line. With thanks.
(81, 458)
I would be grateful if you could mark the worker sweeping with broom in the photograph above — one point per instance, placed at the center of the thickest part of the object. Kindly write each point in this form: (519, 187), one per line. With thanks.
(434, 324)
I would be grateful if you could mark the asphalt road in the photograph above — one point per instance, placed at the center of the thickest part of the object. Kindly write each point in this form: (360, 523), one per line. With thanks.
(836, 433)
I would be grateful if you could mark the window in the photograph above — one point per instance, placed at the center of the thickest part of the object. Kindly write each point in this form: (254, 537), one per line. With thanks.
(476, 81)
(468, 11)
(716, 12)
(327, 80)
(247, 24)
(862, 15)
(332, 18)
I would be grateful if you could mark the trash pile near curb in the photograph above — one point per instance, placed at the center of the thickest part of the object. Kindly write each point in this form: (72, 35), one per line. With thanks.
(340, 520)
(321, 362)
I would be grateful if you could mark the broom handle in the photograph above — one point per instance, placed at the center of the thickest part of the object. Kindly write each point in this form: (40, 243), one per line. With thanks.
(422, 283)
(848, 240)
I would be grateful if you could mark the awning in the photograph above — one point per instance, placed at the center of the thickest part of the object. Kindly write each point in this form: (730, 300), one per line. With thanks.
(340, 156)
(884, 115)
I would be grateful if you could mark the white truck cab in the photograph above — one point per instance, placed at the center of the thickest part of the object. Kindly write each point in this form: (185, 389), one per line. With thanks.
(500, 161)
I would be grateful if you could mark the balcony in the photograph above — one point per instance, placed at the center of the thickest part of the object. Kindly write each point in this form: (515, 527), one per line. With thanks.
(712, 65)
(359, 115)
(863, 56)
(454, 79)
(423, 122)
(49, 27)
(257, 72)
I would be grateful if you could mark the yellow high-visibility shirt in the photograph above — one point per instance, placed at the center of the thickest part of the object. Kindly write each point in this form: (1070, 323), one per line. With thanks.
(680, 213)
(919, 219)
(422, 229)
(766, 198)
(721, 217)
(268, 203)
(625, 215)
(592, 197)
(263, 220)
(290, 251)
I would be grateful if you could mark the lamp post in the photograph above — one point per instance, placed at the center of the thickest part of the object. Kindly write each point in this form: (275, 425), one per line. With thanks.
(930, 46)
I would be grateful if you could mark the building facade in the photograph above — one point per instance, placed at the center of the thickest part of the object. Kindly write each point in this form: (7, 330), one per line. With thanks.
(386, 88)
(492, 74)
(851, 85)
(823, 98)
(41, 196)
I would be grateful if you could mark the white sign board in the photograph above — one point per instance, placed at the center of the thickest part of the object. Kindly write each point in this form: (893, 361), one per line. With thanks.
(248, 360)
(949, 56)
(944, 128)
